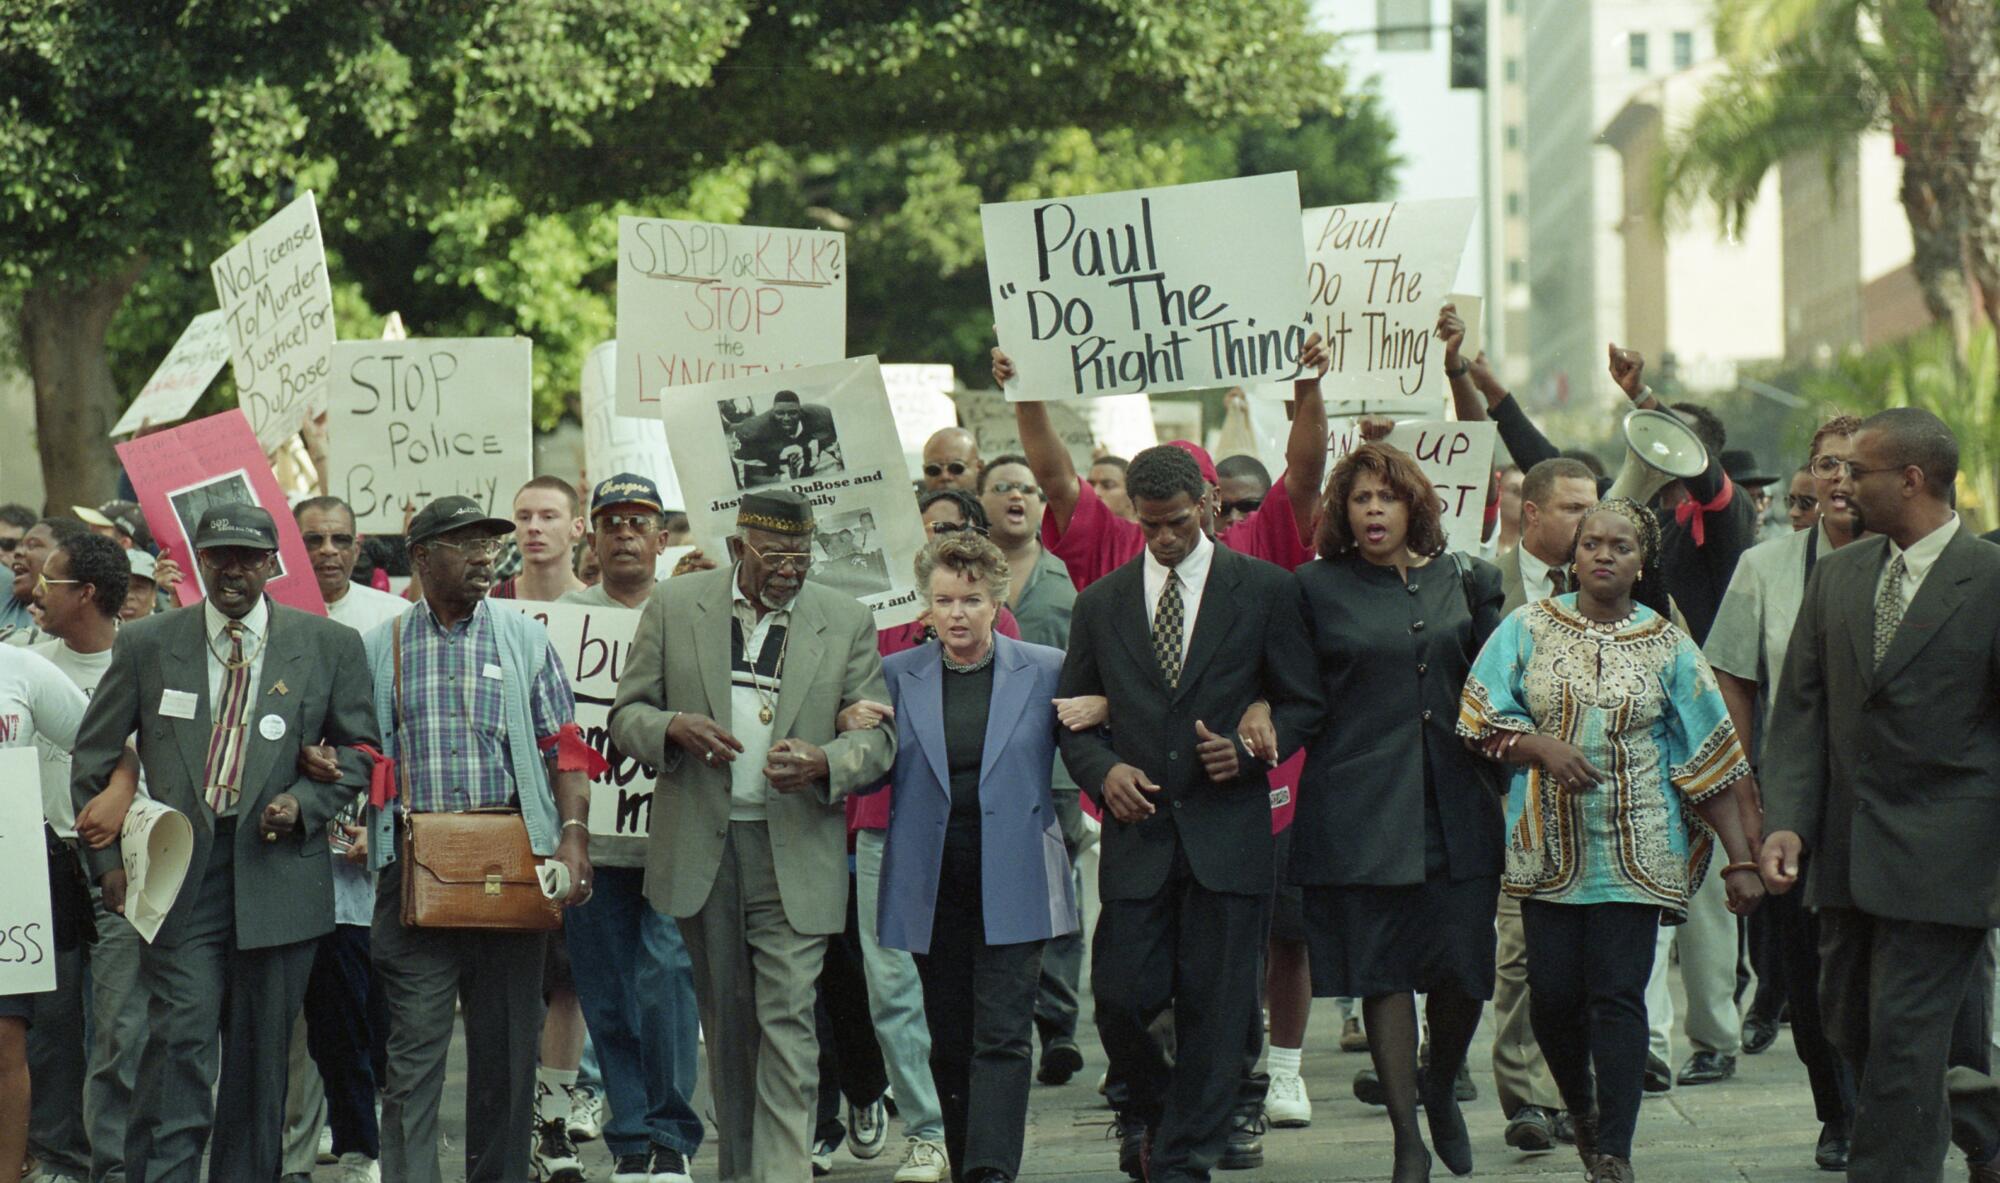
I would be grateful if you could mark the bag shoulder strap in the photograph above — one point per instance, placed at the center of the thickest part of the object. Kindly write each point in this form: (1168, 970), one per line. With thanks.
(402, 757)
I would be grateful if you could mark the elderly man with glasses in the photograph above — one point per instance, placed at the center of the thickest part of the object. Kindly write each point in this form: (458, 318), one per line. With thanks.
(731, 690)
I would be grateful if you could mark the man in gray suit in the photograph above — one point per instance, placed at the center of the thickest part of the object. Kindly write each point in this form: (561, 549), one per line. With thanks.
(1883, 763)
(732, 690)
(221, 695)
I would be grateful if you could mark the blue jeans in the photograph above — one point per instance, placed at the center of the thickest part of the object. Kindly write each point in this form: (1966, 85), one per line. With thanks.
(896, 999)
(636, 985)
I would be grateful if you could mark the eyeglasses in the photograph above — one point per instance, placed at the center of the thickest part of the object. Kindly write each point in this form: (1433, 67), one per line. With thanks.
(943, 528)
(1829, 468)
(478, 548)
(1247, 506)
(1803, 502)
(1005, 487)
(643, 522)
(340, 541)
(235, 558)
(7, 545)
(43, 582)
(782, 560)
(955, 468)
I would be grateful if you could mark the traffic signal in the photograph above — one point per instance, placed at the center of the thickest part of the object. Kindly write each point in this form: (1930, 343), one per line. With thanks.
(1468, 44)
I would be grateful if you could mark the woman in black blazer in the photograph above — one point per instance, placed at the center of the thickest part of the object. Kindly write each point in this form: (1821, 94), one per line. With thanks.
(1397, 837)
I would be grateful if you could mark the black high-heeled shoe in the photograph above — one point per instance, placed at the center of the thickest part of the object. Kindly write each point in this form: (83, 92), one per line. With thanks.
(1415, 1170)
(1449, 1136)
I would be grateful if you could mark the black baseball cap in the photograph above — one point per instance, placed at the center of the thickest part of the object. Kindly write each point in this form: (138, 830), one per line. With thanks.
(452, 513)
(236, 525)
(625, 489)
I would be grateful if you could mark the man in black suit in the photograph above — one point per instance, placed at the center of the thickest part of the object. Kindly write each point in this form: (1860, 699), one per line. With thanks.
(1184, 636)
(1883, 764)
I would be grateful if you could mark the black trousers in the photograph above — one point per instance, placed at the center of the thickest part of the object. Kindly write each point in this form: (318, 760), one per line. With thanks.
(1791, 941)
(850, 1061)
(980, 1003)
(1198, 952)
(1892, 992)
(1587, 971)
(347, 1032)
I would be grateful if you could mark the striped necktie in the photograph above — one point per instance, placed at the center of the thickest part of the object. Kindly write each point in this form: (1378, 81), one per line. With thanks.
(225, 744)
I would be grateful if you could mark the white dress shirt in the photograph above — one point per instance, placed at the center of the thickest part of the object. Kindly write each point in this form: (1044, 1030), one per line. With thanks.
(256, 631)
(1535, 582)
(1918, 560)
(749, 791)
(1193, 574)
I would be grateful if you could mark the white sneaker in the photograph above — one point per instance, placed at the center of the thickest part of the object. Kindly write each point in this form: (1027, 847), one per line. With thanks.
(326, 1154)
(867, 1129)
(924, 1161)
(1285, 1103)
(359, 1168)
(586, 1115)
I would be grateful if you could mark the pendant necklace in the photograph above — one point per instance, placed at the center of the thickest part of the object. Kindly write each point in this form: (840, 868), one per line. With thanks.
(766, 705)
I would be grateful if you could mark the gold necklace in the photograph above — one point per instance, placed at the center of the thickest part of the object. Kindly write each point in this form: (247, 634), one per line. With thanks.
(767, 706)
(249, 658)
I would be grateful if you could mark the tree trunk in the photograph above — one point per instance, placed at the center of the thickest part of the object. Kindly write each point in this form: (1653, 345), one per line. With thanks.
(1936, 212)
(76, 402)
(1970, 95)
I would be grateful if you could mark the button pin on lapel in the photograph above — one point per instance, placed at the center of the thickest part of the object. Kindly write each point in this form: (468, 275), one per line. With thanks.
(279, 688)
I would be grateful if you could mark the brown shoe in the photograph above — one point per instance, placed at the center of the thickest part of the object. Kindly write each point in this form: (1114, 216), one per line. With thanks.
(1585, 1125)
(1352, 1039)
(1612, 1170)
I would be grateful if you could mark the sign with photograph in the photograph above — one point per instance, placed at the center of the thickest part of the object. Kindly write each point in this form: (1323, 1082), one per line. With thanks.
(179, 383)
(825, 432)
(27, 925)
(426, 417)
(180, 473)
(1457, 457)
(1375, 278)
(1151, 290)
(277, 302)
(700, 302)
(614, 443)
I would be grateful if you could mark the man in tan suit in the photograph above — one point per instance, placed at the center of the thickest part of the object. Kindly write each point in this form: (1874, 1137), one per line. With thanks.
(733, 687)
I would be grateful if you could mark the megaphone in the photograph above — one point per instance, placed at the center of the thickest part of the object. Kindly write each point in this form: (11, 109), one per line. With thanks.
(1659, 450)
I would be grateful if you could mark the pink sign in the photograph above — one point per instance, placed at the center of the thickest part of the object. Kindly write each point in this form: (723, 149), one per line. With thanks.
(182, 473)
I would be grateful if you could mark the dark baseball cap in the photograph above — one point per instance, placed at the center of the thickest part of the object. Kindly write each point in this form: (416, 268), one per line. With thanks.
(625, 489)
(236, 525)
(453, 513)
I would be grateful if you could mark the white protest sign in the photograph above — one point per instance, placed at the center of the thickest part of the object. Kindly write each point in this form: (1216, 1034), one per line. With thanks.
(1458, 459)
(1150, 290)
(393, 330)
(27, 926)
(1375, 278)
(593, 643)
(990, 418)
(1469, 310)
(825, 433)
(156, 842)
(699, 302)
(614, 443)
(177, 385)
(278, 303)
(920, 399)
(1123, 423)
(426, 417)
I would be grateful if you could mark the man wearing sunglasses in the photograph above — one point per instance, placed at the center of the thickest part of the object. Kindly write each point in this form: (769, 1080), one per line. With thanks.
(951, 460)
(15, 521)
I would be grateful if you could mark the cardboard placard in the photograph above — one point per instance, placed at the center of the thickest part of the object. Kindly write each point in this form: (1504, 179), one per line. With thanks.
(27, 925)
(180, 473)
(700, 302)
(614, 443)
(1470, 310)
(826, 433)
(1458, 459)
(183, 376)
(1375, 278)
(426, 417)
(920, 400)
(277, 302)
(990, 418)
(156, 841)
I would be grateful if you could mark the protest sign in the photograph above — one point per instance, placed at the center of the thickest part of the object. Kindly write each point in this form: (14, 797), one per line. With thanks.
(593, 643)
(27, 926)
(156, 842)
(1458, 459)
(277, 300)
(393, 330)
(413, 420)
(990, 418)
(179, 474)
(825, 433)
(698, 302)
(1150, 290)
(1470, 309)
(920, 399)
(614, 443)
(1375, 278)
(178, 384)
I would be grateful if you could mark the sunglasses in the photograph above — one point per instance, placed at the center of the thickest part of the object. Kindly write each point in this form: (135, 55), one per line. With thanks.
(955, 468)
(1005, 487)
(7, 545)
(340, 541)
(1803, 502)
(781, 560)
(642, 522)
(43, 582)
(942, 528)
(1248, 505)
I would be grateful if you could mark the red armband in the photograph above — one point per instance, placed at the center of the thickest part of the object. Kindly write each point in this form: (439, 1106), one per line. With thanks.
(573, 754)
(381, 776)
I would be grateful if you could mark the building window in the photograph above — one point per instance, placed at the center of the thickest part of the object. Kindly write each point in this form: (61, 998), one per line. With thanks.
(1635, 50)
(1513, 205)
(1513, 69)
(1513, 136)
(1683, 50)
(1517, 272)
(1513, 6)
(1402, 25)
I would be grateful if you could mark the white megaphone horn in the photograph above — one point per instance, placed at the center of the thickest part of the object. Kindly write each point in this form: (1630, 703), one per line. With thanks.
(1659, 450)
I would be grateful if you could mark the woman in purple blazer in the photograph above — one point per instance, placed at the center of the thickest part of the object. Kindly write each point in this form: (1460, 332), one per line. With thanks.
(974, 874)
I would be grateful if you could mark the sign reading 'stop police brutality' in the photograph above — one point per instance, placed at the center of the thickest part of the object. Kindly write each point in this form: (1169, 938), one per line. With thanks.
(1150, 290)
(700, 302)
(278, 303)
(414, 420)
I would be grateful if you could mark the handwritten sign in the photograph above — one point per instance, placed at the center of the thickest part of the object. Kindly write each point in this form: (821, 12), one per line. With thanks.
(1375, 279)
(614, 443)
(824, 432)
(1458, 459)
(177, 385)
(920, 400)
(428, 417)
(990, 418)
(181, 473)
(1150, 290)
(699, 302)
(277, 301)
(27, 925)
(593, 643)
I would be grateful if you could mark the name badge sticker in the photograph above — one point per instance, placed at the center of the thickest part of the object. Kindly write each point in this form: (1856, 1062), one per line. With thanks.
(177, 704)
(491, 671)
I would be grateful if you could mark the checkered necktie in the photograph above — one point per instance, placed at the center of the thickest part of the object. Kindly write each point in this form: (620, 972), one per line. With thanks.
(225, 743)
(1168, 626)
(1889, 608)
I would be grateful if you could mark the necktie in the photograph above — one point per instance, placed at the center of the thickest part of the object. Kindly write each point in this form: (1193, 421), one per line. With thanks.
(1167, 629)
(1559, 579)
(225, 744)
(1889, 608)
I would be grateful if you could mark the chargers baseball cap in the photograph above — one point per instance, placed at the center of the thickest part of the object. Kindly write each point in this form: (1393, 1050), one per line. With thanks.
(625, 489)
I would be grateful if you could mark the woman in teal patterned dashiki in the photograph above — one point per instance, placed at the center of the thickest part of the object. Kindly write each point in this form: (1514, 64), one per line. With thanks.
(1622, 749)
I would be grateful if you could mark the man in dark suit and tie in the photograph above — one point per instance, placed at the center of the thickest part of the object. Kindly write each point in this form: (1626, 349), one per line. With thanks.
(1883, 764)
(1181, 640)
(222, 694)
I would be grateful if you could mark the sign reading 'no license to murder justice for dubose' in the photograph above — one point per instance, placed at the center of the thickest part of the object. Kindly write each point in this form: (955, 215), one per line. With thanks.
(278, 303)
(1150, 290)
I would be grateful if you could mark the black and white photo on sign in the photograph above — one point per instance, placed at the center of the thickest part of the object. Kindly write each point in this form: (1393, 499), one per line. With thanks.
(192, 501)
(847, 554)
(778, 439)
